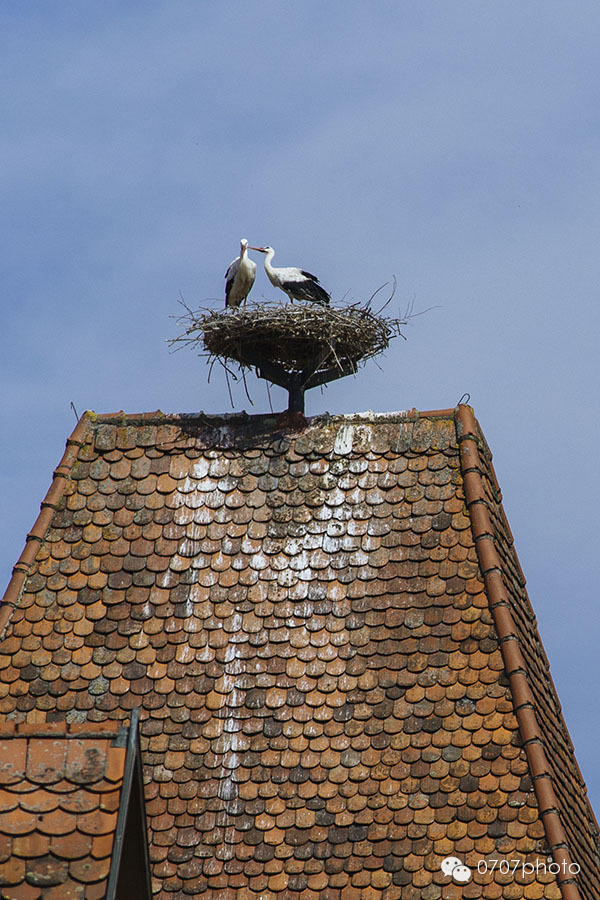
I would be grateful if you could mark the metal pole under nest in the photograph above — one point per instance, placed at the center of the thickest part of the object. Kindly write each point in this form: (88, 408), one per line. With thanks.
(296, 383)
(295, 396)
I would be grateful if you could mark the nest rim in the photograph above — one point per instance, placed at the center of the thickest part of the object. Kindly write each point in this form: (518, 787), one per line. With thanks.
(295, 337)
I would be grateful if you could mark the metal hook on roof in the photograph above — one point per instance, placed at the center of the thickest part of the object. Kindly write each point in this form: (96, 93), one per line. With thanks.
(464, 399)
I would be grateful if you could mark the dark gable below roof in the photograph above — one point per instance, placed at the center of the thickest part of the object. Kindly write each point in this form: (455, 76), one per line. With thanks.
(338, 670)
(72, 824)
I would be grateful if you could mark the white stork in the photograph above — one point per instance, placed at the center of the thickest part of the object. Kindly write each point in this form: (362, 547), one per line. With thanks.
(296, 283)
(239, 277)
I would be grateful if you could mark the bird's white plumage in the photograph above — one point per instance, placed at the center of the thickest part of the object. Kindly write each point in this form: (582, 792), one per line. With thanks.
(239, 277)
(282, 274)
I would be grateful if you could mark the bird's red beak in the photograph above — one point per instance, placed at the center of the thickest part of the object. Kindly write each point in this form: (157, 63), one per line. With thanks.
(260, 249)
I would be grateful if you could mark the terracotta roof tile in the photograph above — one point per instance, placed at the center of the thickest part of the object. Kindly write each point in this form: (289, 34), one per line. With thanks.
(304, 619)
(51, 818)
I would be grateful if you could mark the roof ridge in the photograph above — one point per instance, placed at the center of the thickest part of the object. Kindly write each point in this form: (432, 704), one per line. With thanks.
(47, 508)
(158, 417)
(514, 663)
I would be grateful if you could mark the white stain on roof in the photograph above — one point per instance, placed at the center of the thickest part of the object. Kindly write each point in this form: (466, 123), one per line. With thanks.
(343, 440)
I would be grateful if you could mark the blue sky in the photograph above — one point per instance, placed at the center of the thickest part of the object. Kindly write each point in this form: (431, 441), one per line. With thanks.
(454, 145)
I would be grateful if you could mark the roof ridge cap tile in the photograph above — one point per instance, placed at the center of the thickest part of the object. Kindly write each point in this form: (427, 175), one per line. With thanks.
(468, 430)
(158, 416)
(48, 506)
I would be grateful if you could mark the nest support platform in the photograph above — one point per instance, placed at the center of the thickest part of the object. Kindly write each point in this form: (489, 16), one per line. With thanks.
(297, 347)
(295, 382)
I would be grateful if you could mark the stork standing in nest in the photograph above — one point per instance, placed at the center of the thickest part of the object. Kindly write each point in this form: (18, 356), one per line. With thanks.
(239, 277)
(296, 283)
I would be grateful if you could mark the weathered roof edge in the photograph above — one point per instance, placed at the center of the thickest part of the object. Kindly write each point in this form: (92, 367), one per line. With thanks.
(131, 782)
(57, 730)
(469, 439)
(132, 778)
(542, 649)
(37, 534)
(158, 417)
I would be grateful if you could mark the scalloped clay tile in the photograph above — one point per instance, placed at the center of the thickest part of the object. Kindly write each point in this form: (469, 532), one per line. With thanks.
(48, 847)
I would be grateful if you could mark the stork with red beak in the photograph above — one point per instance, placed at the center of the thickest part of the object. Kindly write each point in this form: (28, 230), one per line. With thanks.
(239, 277)
(296, 283)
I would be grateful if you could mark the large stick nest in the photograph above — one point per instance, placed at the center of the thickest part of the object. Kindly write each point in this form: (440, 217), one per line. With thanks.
(293, 336)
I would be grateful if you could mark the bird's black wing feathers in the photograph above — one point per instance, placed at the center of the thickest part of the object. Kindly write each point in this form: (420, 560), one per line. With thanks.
(320, 295)
(228, 286)
(308, 275)
(307, 290)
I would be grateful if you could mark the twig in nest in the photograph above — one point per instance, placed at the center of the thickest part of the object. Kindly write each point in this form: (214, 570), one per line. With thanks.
(211, 367)
(184, 304)
(246, 386)
(374, 294)
(389, 299)
(228, 386)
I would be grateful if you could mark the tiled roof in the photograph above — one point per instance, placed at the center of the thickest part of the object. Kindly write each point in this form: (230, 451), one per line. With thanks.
(62, 791)
(325, 627)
